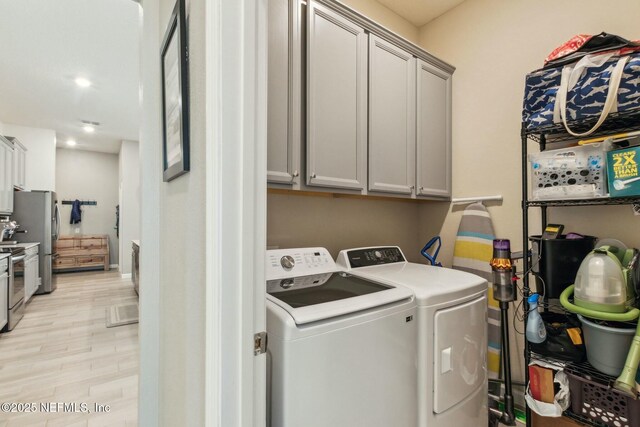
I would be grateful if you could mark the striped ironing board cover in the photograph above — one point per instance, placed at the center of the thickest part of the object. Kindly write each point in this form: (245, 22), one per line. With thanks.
(472, 252)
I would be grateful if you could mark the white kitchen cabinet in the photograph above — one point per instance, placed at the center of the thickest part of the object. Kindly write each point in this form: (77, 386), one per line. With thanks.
(392, 118)
(284, 92)
(433, 167)
(31, 272)
(336, 100)
(19, 161)
(6, 176)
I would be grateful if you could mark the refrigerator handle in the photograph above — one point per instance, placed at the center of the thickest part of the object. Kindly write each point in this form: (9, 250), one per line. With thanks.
(57, 217)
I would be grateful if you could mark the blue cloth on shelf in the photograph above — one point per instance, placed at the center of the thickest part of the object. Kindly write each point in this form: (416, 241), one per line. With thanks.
(76, 212)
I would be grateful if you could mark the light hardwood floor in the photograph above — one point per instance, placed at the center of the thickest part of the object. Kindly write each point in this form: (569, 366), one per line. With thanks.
(61, 351)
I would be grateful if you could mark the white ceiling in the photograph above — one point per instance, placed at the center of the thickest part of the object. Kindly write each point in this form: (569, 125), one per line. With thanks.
(45, 45)
(419, 12)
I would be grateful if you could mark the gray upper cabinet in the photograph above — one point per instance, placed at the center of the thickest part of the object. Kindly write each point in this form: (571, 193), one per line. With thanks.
(284, 92)
(19, 163)
(6, 176)
(336, 100)
(392, 118)
(433, 163)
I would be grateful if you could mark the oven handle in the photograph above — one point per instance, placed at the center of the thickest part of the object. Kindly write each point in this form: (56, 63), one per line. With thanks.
(17, 258)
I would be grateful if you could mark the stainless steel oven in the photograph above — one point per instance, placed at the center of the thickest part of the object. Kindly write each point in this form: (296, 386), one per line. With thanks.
(16, 288)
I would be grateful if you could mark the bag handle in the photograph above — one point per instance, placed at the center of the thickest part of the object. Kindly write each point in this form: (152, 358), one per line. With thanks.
(610, 102)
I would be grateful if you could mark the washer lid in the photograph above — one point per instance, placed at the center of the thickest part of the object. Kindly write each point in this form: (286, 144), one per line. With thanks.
(432, 285)
(324, 296)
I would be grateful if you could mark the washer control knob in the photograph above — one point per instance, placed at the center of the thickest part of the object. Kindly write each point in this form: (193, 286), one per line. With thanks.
(378, 254)
(287, 262)
(286, 283)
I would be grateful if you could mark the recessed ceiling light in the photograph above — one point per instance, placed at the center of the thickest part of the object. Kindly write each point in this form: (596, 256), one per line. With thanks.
(71, 142)
(88, 128)
(82, 82)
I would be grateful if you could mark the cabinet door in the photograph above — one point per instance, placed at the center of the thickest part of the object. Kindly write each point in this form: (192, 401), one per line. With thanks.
(392, 118)
(23, 168)
(6, 178)
(3, 178)
(9, 177)
(284, 92)
(433, 169)
(36, 274)
(28, 279)
(4, 294)
(336, 100)
(16, 166)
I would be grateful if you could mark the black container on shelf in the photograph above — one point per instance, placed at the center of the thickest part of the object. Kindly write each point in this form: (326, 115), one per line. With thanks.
(558, 263)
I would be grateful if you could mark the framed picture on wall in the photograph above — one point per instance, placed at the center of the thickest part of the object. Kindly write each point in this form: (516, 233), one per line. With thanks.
(175, 95)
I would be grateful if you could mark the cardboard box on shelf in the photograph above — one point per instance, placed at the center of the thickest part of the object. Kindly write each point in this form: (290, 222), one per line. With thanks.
(541, 383)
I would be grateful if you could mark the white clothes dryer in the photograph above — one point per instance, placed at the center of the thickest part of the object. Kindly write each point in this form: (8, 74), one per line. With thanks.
(452, 331)
(342, 350)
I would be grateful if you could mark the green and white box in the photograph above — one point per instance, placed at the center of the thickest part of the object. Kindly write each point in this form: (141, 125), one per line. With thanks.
(622, 171)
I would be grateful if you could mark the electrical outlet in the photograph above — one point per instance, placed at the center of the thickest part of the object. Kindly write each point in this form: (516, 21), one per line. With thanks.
(76, 230)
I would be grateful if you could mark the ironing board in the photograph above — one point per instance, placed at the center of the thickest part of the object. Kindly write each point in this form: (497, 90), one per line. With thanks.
(472, 252)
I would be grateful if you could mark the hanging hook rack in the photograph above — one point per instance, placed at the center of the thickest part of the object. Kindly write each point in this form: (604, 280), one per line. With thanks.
(82, 202)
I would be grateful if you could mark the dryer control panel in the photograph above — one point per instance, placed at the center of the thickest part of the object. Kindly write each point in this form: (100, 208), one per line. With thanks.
(287, 263)
(366, 257)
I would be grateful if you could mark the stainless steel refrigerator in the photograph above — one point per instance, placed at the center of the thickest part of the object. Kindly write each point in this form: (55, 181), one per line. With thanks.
(37, 212)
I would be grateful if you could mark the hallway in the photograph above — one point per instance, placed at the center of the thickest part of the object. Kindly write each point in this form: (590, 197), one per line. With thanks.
(61, 352)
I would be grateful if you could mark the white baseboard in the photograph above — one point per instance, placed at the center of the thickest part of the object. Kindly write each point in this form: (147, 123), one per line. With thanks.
(114, 265)
(125, 275)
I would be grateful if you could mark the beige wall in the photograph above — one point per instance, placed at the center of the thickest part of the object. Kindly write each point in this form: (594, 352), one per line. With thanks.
(494, 44)
(385, 17)
(87, 175)
(340, 222)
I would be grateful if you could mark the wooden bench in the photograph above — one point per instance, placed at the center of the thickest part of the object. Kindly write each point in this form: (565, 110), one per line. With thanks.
(81, 252)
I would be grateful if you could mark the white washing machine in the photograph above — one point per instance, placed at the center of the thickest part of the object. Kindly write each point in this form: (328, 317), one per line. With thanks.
(452, 330)
(342, 350)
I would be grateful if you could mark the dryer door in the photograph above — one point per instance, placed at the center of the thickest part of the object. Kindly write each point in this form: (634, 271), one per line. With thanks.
(460, 339)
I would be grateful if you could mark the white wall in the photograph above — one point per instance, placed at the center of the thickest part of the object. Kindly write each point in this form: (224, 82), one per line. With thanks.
(87, 175)
(40, 163)
(129, 193)
(181, 264)
(494, 44)
(149, 390)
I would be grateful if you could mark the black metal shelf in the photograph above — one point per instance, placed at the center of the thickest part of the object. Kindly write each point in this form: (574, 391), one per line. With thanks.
(585, 202)
(583, 370)
(615, 123)
(582, 420)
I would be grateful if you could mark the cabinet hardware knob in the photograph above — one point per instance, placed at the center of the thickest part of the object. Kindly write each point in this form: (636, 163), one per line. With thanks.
(295, 174)
(412, 187)
(313, 175)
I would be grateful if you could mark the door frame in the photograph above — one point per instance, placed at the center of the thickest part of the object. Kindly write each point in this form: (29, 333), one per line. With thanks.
(235, 192)
(236, 106)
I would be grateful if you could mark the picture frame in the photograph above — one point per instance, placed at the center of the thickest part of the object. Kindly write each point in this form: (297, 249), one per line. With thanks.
(174, 58)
